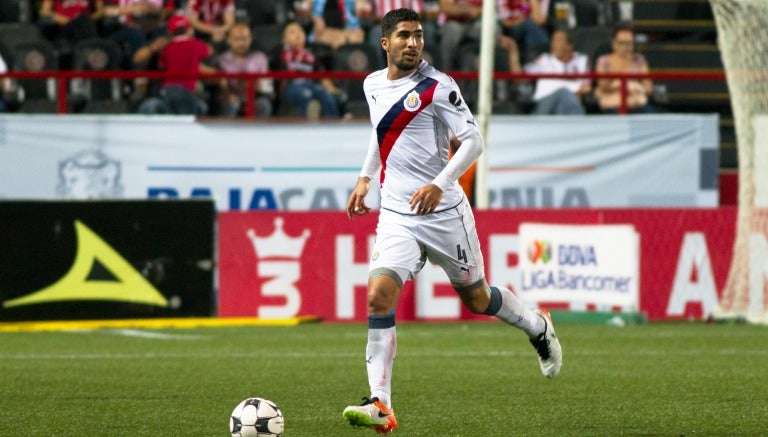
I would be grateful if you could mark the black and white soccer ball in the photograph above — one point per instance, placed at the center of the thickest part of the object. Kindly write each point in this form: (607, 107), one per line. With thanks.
(256, 417)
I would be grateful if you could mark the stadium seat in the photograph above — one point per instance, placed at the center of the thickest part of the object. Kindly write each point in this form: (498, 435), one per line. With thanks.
(35, 95)
(266, 37)
(355, 57)
(100, 95)
(262, 12)
(12, 34)
(10, 11)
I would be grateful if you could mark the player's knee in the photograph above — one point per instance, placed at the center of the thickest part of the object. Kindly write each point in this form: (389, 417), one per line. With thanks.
(475, 304)
(380, 300)
(475, 297)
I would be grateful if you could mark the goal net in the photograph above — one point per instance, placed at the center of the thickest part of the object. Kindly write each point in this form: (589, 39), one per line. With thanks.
(741, 25)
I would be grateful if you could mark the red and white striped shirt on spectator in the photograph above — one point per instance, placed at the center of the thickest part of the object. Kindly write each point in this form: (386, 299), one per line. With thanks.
(383, 6)
(210, 11)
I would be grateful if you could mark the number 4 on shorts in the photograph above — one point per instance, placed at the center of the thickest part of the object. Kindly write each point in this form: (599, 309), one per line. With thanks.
(461, 254)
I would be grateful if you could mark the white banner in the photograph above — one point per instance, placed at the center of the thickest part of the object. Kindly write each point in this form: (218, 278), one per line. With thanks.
(286, 166)
(604, 161)
(594, 161)
(584, 266)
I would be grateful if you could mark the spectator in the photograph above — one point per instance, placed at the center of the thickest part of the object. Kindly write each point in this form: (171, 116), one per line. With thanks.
(241, 59)
(379, 8)
(459, 22)
(623, 59)
(293, 55)
(211, 19)
(131, 23)
(335, 22)
(560, 96)
(66, 22)
(146, 58)
(523, 21)
(183, 54)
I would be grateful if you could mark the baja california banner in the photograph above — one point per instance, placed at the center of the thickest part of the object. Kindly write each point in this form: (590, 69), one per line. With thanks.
(285, 264)
(589, 266)
(534, 162)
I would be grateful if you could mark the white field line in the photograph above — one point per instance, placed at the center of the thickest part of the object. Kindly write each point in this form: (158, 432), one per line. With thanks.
(143, 333)
(346, 355)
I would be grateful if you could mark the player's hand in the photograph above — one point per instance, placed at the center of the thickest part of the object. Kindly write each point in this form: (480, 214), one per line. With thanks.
(426, 199)
(356, 203)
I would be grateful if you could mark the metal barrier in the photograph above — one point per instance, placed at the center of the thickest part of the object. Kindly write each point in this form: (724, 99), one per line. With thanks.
(63, 77)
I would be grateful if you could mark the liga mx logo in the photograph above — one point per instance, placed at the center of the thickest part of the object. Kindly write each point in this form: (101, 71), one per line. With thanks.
(278, 258)
(539, 252)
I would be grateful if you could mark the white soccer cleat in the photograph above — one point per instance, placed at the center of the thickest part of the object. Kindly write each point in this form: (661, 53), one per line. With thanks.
(372, 414)
(548, 347)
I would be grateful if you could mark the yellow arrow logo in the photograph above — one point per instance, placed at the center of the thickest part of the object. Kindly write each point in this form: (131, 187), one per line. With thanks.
(128, 286)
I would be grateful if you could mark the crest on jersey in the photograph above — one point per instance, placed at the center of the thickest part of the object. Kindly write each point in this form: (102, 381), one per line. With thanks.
(412, 101)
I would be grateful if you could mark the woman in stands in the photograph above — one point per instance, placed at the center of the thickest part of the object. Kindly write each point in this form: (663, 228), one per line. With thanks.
(623, 59)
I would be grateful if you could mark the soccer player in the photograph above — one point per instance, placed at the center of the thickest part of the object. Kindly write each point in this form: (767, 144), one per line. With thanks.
(424, 213)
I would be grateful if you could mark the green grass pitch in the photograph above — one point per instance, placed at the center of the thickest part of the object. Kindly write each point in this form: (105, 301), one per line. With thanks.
(452, 379)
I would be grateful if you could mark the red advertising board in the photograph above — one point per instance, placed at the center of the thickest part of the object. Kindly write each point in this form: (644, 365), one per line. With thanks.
(286, 264)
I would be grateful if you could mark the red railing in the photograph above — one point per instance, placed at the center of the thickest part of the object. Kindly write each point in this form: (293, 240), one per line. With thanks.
(63, 77)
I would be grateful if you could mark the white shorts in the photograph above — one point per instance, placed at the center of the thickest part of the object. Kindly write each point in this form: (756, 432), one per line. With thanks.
(447, 238)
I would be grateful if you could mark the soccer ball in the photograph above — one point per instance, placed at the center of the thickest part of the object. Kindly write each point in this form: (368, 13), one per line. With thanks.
(256, 417)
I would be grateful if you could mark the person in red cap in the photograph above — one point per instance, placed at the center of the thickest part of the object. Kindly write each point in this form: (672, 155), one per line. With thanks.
(183, 54)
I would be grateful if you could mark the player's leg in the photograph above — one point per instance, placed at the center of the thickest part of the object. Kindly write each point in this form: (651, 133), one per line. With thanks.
(384, 286)
(396, 258)
(453, 244)
(503, 304)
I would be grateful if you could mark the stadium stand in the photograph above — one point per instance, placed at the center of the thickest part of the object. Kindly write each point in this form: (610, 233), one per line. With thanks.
(674, 36)
(679, 36)
(682, 18)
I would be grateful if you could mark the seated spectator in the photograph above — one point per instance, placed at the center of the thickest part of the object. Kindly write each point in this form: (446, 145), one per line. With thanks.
(66, 22)
(293, 55)
(523, 21)
(459, 22)
(241, 59)
(623, 59)
(183, 54)
(560, 96)
(131, 23)
(146, 59)
(211, 19)
(335, 22)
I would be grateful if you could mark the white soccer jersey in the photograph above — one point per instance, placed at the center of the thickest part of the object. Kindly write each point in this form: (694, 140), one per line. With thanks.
(413, 119)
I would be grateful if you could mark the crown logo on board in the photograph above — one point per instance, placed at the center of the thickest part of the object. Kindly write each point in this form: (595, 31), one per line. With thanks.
(278, 244)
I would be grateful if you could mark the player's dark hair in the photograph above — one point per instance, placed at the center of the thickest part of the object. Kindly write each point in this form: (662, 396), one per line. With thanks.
(390, 20)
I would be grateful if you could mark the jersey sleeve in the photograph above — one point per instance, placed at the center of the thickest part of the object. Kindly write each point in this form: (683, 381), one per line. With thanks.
(372, 163)
(451, 108)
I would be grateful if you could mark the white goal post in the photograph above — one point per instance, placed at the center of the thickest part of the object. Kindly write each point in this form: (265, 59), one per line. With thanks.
(743, 48)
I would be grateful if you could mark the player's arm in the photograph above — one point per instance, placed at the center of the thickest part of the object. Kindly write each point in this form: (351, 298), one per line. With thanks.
(471, 148)
(356, 203)
(427, 198)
